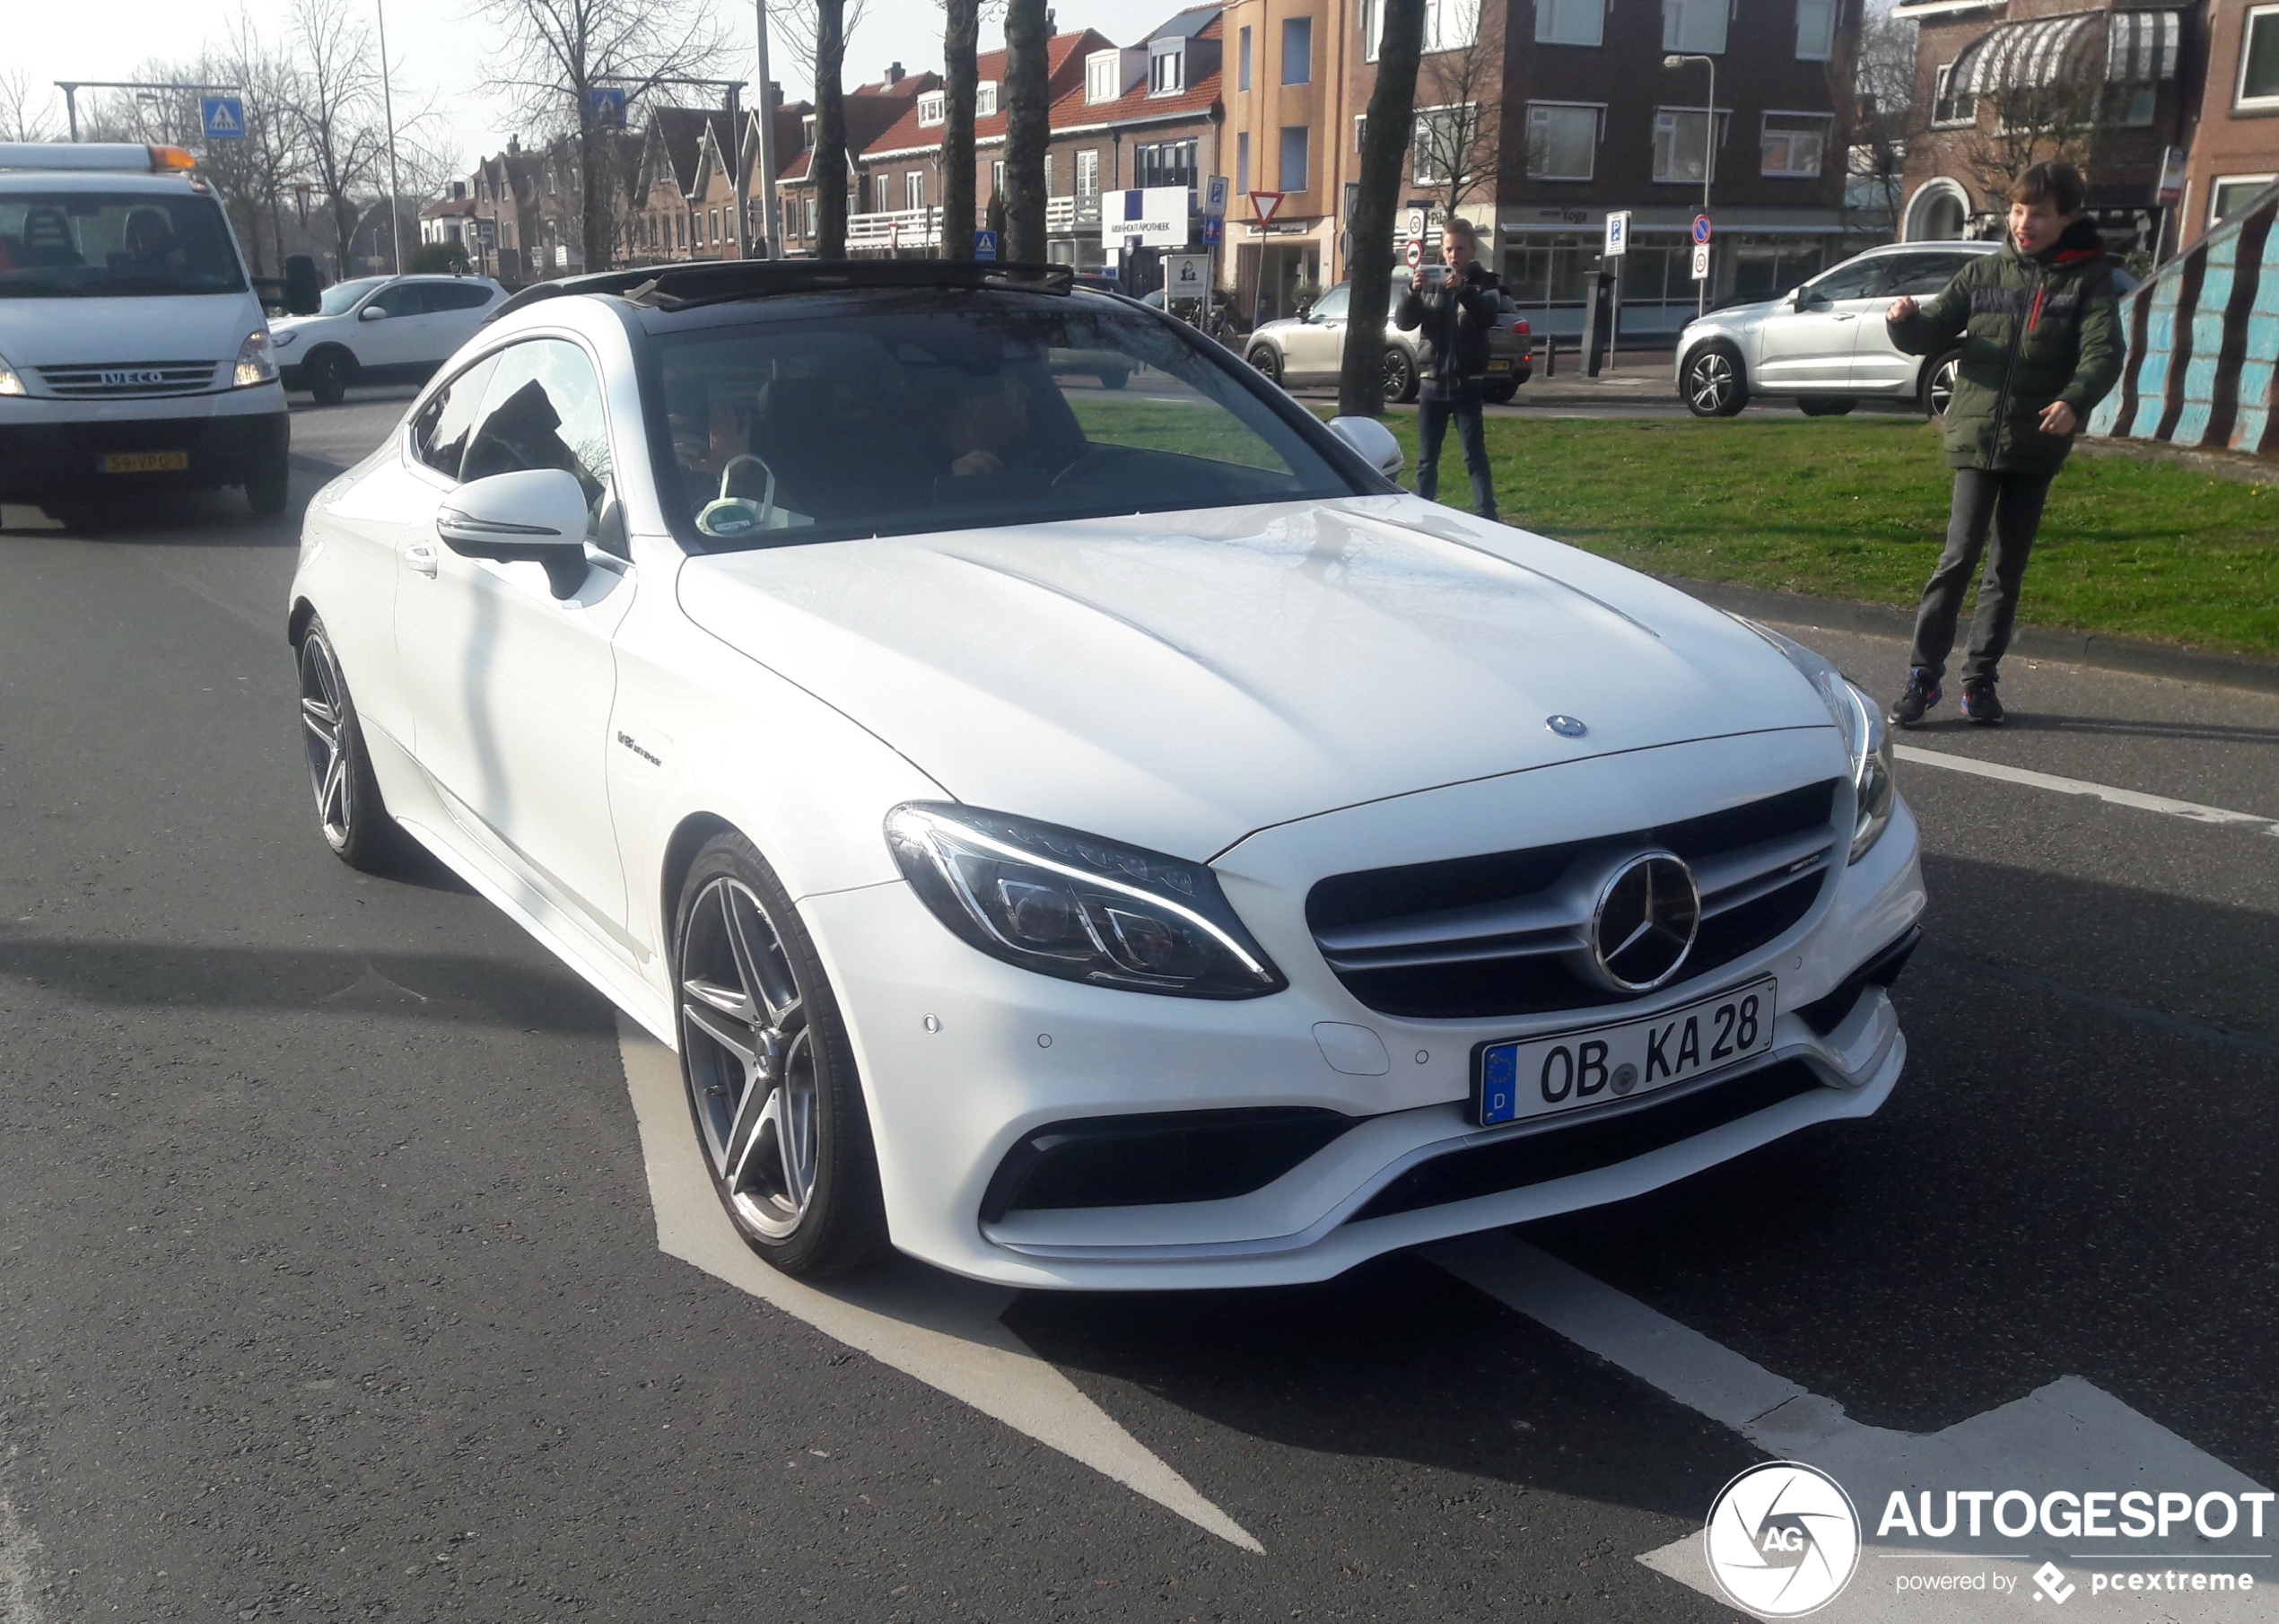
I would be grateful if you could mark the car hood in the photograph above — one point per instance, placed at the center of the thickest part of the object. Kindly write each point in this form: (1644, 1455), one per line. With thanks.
(81, 332)
(1180, 680)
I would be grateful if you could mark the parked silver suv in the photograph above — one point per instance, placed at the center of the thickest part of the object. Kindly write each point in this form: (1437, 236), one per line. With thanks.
(1824, 344)
(1309, 349)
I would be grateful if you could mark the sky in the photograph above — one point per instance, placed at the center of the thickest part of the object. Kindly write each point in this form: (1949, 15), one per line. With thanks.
(436, 59)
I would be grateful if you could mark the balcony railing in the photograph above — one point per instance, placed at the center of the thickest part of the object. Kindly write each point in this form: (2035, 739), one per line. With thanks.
(895, 228)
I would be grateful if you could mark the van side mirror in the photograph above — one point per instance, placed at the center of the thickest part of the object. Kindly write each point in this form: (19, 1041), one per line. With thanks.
(531, 515)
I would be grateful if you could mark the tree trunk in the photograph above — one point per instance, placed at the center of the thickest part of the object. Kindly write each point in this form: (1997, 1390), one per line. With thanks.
(828, 167)
(1385, 142)
(1026, 134)
(961, 40)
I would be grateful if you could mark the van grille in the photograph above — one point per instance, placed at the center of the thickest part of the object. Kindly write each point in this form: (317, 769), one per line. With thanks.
(1505, 933)
(131, 378)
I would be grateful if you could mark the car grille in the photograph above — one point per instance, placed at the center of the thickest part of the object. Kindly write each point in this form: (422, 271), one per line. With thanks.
(1506, 933)
(130, 377)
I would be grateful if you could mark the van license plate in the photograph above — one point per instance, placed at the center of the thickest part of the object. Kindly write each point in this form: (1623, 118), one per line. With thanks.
(1543, 1076)
(146, 462)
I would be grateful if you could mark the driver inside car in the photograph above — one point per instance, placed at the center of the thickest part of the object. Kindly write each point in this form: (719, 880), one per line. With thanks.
(987, 426)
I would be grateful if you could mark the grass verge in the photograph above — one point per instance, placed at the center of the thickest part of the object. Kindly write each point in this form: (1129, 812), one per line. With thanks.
(1857, 508)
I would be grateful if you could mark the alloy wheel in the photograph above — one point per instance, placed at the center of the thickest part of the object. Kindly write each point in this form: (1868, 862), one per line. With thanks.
(324, 729)
(1710, 382)
(751, 1060)
(1941, 394)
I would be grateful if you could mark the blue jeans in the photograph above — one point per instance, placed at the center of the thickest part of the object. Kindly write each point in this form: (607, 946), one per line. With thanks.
(1433, 413)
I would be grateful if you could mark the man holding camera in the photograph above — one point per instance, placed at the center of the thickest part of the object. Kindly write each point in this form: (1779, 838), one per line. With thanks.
(1457, 305)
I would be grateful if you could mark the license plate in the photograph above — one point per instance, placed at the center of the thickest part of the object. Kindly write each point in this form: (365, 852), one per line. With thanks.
(1543, 1076)
(1499, 366)
(146, 462)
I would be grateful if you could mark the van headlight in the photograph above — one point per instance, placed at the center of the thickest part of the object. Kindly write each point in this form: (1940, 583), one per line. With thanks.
(1070, 904)
(255, 365)
(10, 382)
(1866, 738)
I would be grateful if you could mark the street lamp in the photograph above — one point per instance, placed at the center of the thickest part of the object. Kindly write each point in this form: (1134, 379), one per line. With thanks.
(1709, 153)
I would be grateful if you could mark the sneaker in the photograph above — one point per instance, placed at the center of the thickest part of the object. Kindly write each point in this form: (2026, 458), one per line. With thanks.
(1979, 702)
(1921, 692)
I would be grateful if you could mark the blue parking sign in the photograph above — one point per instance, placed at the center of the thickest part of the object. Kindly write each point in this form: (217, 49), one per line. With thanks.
(225, 118)
(1214, 231)
(984, 245)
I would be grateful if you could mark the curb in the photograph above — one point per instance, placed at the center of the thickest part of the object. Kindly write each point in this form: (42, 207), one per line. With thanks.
(2096, 649)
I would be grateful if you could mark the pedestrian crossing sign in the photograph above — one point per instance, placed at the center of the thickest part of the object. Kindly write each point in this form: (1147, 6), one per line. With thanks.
(225, 118)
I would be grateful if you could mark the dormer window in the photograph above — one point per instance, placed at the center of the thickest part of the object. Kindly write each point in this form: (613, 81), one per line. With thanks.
(1168, 67)
(985, 98)
(931, 110)
(806, 130)
(1103, 76)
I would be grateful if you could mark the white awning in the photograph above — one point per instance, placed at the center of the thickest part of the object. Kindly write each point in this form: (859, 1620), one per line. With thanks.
(2142, 46)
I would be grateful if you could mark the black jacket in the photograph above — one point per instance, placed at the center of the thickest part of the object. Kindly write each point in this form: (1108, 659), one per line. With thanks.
(1456, 317)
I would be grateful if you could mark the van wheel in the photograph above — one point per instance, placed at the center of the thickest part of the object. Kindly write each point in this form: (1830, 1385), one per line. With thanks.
(328, 372)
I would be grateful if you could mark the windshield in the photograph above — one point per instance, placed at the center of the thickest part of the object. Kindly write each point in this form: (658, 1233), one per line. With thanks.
(341, 297)
(60, 245)
(932, 411)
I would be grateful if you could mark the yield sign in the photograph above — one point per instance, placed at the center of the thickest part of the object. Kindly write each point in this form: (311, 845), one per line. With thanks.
(1264, 203)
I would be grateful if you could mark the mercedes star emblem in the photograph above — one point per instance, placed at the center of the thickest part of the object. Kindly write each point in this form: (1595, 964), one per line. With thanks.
(1647, 916)
(1566, 726)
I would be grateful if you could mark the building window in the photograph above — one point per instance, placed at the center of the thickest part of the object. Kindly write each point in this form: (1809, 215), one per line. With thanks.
(985, 98)
(1242, 163)
(810, 211)
(1242, 60)
(1297, 51)
(1681, 145)
(1167, 69)
(1815, 29)
(882, 194)
(1087, 175)
(1292, 173)
(932, 109)
(2130, 105)
(716, 228)
(1694, 25)
(913, 189)
(1451, 25)
(1048, 175)
(1570, 21)
(1950, 108)
(1360, 131)
(806, 130)
(1441, 146)
(997, 178)
(1103, 76)
(2259, 58)
(1163, 163)
(1562, 140)
(2232, 192)
(1793, 143)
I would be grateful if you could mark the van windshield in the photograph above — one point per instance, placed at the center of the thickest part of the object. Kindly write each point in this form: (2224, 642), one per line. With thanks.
(64, 245)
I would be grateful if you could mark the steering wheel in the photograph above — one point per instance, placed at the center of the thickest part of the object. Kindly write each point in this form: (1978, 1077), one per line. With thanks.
(1088, 464)
(729, 515)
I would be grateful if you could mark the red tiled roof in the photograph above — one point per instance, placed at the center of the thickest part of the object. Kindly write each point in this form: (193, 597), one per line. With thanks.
(1060, 52)
(1072, 111)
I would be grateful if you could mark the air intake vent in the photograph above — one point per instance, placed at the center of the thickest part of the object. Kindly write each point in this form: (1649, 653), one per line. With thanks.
(131, 378)
(1507, 933)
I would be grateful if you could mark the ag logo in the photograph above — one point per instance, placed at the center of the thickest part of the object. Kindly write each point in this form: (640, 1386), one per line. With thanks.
(1782, 1540)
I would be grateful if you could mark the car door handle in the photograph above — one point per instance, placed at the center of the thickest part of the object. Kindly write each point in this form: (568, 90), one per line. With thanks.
(420, 555)
(1847, 315)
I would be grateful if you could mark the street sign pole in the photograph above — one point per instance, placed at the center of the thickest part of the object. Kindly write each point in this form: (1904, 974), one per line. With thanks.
(388, 106)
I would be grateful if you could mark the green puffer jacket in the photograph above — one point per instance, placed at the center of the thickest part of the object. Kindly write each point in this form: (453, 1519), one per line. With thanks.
(2033, 331)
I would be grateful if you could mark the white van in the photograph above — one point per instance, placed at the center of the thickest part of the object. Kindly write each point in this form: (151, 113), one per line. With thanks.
(134, 354)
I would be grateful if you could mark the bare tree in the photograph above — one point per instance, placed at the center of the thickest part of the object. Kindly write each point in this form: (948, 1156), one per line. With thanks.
(961, 45)
(336, 111)
(2023, 125)
(558, 52)
(798, 21)
(256, 172)
(1026, 105)
(1385, 142)
(21, 116)
(1460, 115)
(1876, 92)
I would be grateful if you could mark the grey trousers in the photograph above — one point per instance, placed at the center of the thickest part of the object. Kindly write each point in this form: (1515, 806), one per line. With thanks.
(2011, 505)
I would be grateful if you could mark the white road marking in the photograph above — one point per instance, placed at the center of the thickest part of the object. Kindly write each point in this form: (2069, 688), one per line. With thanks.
(2081, 786)
(2067, 1434)
(941, 1329)
(19, 1562)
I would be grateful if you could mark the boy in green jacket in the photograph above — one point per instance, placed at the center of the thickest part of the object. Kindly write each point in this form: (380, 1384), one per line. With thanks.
(2040, 330)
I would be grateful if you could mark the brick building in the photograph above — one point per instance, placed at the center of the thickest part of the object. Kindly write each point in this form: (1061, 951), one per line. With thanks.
(871, 112)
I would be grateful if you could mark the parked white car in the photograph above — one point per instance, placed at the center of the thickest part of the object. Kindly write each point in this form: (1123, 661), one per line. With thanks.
(1087, 839)
(380, 329)
(1824, 344)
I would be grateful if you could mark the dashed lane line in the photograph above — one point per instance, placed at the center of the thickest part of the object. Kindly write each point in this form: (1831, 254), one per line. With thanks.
(2142, 802)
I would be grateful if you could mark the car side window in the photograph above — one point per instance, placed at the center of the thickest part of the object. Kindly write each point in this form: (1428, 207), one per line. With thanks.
(450, 296)
(440, 436)
(1333, 305)
(1861, 279)
(542, 409)
(402, 300)
(1925, 275)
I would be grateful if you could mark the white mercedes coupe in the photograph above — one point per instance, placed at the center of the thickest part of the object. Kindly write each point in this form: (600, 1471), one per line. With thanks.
(1083, 837)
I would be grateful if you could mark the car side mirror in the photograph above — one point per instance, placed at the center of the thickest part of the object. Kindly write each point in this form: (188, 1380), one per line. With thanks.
(532, 516)
(1800, 300)
(371, 312)
(1373, 441)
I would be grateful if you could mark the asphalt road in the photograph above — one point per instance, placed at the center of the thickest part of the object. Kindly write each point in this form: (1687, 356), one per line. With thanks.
(331, 1273)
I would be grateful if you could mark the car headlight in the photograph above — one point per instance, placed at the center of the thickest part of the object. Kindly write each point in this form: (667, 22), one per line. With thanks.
(284, 340)
(1070, 904)
(9, 383)
(255, 365)
(1866, 738)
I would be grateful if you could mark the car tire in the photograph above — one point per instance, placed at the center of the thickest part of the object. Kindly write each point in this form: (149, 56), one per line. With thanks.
(773, 1091)
(1498, 394)
(1938, 383)
(1267, 360)
(266, 486)
(1114, 380)
(1400, 375)
(328, 372)
(1714, 386)
(1824, 408)
(351, 814)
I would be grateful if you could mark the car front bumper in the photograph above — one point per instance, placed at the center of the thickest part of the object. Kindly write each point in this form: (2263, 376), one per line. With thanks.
(56, 450)
(964, 1058)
